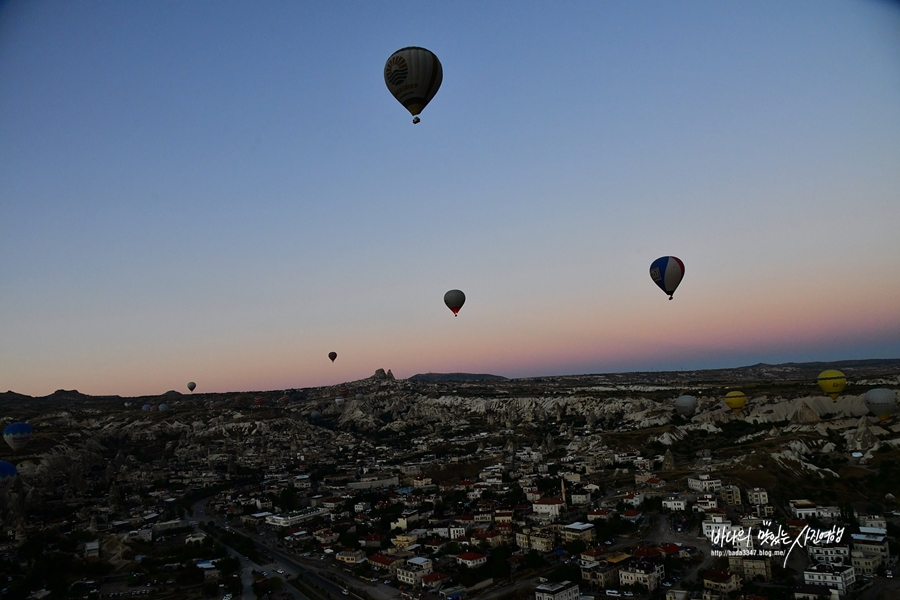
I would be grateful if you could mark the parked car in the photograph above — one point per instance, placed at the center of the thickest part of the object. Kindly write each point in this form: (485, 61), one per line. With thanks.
(613, 593)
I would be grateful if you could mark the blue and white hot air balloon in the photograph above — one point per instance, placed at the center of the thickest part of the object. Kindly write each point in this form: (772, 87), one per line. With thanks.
(17, 435)
(667, 272)
(8, 474)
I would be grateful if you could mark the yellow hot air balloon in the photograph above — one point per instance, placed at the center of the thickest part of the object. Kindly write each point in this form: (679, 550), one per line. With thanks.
(832, 383)
(736, 401)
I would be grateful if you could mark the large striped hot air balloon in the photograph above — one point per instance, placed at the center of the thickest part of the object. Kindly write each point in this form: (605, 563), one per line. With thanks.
(413, 75)
(832, 383)
(667, 272)
(736, 401)
(17, 435)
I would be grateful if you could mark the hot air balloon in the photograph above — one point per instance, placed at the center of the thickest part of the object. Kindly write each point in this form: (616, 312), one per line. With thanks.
(145, 407)
(882, 402)
(832, 383)
(454, 299)
(413, 75)
(686, 405)
(8, 474)
(667, 272)
(344, 391)
(315, 416)
(17, 435)
(163, 407)
(191, 386)
(339, 400)
(332, 356)
(736, 401)
(154, 408)
(359, 396)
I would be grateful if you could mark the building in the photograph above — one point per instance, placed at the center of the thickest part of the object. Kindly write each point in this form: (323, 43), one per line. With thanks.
(642, 572)
(578, 531)
(802, 509)
(722, 582)
(535, 539)
(837, 554)
(351, 557)
(703, 483)
(757, 496)
(565, 590)
(838, 577)
(731, 495)
(602, 573)
(872, 544)
(674, 504)
(865, 563)
(471, 559)
(751, 568)
(414, 570)
(549, 507)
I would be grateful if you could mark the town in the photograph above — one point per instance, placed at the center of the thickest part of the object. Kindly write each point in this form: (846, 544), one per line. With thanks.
(460, 487)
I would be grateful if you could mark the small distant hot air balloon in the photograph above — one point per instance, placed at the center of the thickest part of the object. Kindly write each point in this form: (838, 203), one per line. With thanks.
(339, 400)
(667, 273)
(686, 405)
(163, 407)
(882, 402)
(832, 383)
(145, 407)
(259, 401)
(359, 396)
(8, 474)
(17, 435)
(154, 408)
(332, 356)
(736, 401)
(315, 416)
(413, 75)
(344, 391)
(454, 299)
(191, 386)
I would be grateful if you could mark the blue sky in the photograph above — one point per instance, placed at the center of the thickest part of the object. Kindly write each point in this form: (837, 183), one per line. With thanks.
(225, 191)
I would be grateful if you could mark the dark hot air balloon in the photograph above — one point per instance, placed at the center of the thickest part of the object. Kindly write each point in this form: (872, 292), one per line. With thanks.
(332, 356)
(17, 435)
(454, 299)
(413, 75)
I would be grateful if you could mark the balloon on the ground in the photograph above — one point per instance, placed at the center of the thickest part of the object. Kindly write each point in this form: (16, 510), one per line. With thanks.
(191, 385)
(736, 401)
(667, 272)
(145, 407)
(17, 435)
(686, 405)
(8, 474)
(832, 383)
(332, 356)
(413, 75)
(882, 402)
(454, 299)
(163, 406)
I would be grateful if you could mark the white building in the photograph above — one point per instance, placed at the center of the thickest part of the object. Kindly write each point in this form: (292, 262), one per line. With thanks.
(839, 577)
(565, 590)
(757, 496)
(703, 483)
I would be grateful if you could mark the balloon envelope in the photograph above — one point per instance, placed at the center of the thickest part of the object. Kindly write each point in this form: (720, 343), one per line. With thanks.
(163, 406)
(736, 401)
(413, 75)
(145, 407)
(882, 402)
(454, 299)
(686, 405)
(667, 272)
(332, 356)
(8, 474)
(832, 383)
(17, 435)
(191, 385)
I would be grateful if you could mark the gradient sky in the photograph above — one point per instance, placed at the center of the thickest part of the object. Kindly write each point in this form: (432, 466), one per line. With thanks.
(224, 191)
